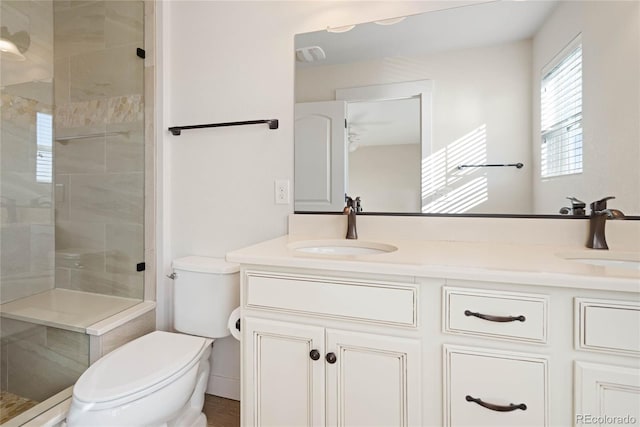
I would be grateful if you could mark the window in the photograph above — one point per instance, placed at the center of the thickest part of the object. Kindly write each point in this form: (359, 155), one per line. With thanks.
(561, 114)
(44, 155)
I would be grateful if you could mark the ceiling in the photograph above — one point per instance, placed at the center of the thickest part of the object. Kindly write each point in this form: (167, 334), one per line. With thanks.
(457, 28)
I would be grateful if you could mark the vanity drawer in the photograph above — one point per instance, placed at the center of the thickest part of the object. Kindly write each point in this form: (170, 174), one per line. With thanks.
(514, 316)
(481, 387)
(608, 326)
(371, 301)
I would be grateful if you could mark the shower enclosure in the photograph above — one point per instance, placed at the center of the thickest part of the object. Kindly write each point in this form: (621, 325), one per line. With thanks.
(71, 187)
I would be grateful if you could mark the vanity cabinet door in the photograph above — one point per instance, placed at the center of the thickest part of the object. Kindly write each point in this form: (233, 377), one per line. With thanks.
(285, 373)
(372, 380)
(492, 388)
(606, 394)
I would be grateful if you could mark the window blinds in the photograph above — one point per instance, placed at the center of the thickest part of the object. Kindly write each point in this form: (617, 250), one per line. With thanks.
(561, 116)
(44, 156)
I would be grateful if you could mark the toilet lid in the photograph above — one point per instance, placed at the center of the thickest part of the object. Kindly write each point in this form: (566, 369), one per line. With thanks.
(138, 365)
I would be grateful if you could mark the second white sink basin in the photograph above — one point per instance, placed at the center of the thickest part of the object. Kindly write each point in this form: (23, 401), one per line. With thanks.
(342, 247)
(623, 260)
(615, 263)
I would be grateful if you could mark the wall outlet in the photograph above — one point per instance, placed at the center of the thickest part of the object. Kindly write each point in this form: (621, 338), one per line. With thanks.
(282, 191)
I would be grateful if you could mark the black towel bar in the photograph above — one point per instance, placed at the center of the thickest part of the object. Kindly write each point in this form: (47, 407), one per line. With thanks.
(517, 165)
(273, 124)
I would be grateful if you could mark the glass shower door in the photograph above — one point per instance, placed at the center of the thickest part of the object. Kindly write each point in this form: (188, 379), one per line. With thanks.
(71, 187)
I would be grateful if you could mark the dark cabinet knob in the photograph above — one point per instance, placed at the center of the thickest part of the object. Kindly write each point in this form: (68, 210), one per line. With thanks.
(331, 358)
(314, 354)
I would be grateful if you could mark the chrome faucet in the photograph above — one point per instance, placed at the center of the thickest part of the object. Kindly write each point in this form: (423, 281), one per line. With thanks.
(597, 221)
(577, 207)
(352, 207)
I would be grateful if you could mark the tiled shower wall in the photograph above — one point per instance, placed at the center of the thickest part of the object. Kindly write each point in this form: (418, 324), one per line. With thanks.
(39, 361)
(35, 361)
(26, 209)
(99, 178)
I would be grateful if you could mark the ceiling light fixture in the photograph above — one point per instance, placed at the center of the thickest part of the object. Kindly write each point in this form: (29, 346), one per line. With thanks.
(342, 29)
(10, 50)
(391, 21)
(310, 54)
(12, 46)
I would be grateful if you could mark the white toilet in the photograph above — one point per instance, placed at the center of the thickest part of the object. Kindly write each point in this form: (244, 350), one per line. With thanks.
(159, 379)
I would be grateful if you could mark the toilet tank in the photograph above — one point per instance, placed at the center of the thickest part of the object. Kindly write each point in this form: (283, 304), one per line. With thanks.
(205, 292)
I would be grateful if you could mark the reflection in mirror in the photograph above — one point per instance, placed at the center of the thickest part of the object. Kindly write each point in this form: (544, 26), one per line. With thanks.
(433, 113)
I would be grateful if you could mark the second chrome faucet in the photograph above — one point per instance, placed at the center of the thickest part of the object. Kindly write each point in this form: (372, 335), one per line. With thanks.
(351, 209)
(597, 221)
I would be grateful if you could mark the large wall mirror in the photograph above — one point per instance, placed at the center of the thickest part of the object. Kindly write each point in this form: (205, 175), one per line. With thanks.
(506, 107)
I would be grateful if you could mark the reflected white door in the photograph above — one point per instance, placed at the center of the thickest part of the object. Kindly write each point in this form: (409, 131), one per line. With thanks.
(320, 156)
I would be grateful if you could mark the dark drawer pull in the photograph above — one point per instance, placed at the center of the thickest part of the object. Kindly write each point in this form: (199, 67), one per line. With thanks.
(498, 408)
(491, 318)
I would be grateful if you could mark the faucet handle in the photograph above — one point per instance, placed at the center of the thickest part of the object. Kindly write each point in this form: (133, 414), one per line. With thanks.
(575, 202)
(601, 204)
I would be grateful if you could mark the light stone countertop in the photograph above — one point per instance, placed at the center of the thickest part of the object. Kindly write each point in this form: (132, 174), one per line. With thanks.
(541, 265)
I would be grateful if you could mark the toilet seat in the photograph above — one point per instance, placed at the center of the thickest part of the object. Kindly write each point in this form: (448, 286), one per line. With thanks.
(139, 368)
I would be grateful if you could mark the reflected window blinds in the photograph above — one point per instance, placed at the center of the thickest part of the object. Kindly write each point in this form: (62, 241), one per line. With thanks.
(561, 115)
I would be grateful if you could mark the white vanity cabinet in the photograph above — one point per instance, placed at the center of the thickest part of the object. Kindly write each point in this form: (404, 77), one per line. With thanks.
(326, 347)
(489, 387)
(303, 371)
(492, 388)
(605, 393)
(590, 345)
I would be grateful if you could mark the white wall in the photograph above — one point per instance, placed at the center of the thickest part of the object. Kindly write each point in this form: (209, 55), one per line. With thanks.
(611, 111)
(386, 177)
(228, 61)
(486, 86)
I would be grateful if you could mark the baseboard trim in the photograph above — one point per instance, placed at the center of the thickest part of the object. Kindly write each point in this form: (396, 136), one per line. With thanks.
(224, 387)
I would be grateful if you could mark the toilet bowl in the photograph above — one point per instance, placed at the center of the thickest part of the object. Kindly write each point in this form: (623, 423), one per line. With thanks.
(160, 378)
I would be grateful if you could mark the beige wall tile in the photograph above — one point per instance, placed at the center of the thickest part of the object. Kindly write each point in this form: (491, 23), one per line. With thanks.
(112, 198)
(23, 188)
(22, 286)
(73, 345)
(88, 235)
(107, 73)
(42, 248)
(123, 285)
(124, 23)
(125, 247)
(37, 372)
(15, 250)
(80, 156)
(4, 383)
(79, 29)
(61, 4)
(63, 278)
(61, 195)
(16, 330)
(128, 332)
(125, 152)
(61, 81)
(81, 259)
(18, 148)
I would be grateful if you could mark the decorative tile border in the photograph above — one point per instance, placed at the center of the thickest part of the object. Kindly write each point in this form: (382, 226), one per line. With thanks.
(118, 109)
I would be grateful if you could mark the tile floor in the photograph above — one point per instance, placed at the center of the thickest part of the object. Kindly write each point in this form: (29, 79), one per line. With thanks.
(221, 412)
(12, 405)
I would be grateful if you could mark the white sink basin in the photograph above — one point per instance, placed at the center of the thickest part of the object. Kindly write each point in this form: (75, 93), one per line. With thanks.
(623, 260)
(341, 247)
(615, 263)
